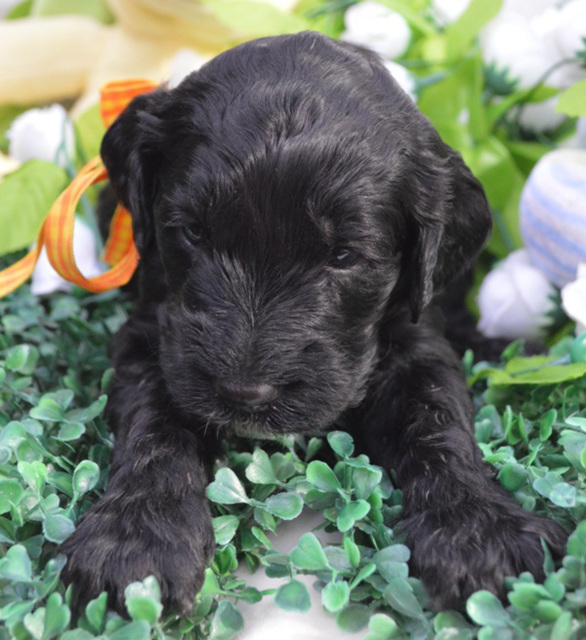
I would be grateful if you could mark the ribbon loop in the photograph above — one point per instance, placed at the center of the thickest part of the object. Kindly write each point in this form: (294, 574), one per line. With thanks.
(56, 231)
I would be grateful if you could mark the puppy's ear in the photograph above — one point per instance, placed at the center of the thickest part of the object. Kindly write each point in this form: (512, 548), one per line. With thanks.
(131, 151)
(449, 216)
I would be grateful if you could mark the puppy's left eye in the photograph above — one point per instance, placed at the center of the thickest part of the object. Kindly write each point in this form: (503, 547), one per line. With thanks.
(194, 236)
(344, 258)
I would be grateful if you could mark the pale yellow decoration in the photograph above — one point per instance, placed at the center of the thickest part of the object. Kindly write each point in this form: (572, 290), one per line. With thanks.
(7, 165)
(64, 57)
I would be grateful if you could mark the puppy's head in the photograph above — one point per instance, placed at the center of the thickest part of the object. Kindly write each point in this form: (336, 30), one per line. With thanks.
(288, 200)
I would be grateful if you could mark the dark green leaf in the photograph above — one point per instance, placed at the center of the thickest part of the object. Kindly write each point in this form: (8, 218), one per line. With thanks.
(137, 630)
(309, 554)
(284, 505)
(293, 596)
(10, 494)
(342, 443)
(547, 611)
(365, 481)
(57, 528)
(34, 474)
(87, 414)
(352, 512)
(77, 634)
(47, 410)
(399, 595)
(577, 542)
(353, 618)
(486, 609)
(260, 470)
(85, 477)
(563, 628)
(30, 191)
(23, 358)
(143, 600)
(227, 622)
(34, 623)
(225, 528)
(70, 431)
(335, 596)
(352, 552)
(526, 595)
(391, 562)
(16, 565)
(95, 612)
(513, 476)
(57, 616)
(321, 476)
(382, 627)
(226, 488)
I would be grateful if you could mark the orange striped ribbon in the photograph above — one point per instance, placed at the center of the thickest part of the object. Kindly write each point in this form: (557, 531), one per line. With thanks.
(56, 232)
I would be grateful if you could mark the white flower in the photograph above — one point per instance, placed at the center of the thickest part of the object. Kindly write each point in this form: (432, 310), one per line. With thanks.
(528, 42)
(44, 134)
(448, 11)
(514, 299)
(375, 26)
(527, 8)
(531, 45)
(570, 29)
(574, 299)
(184, 62)
(510, 42)
(540, 116)
(404, 79)
(46, 280)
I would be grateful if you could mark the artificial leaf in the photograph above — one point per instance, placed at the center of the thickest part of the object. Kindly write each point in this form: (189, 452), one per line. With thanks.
(309, 554)
(293, 596)
(226, 488)
(27, 195)
(284, 505)
(572, 101)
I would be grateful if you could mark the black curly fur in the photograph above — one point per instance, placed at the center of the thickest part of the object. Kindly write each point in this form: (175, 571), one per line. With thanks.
(295, 215)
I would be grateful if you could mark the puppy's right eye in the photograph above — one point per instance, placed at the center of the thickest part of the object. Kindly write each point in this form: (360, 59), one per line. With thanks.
(344, 258)
(194, 236)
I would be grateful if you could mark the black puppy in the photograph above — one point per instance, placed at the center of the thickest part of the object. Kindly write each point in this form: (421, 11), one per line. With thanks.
(295, 215)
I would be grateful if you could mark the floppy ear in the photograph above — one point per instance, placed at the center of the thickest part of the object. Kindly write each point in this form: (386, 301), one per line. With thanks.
(131, 151)
(450, 217)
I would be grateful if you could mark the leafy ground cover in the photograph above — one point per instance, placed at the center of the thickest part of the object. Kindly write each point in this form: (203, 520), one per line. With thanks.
(54, 452)
(530, 422)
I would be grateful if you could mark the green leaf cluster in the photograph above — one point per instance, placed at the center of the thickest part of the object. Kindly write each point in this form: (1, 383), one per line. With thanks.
(55, 445)
(54, 456)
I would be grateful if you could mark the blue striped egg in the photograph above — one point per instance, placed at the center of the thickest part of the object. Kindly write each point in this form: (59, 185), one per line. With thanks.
(553, 214)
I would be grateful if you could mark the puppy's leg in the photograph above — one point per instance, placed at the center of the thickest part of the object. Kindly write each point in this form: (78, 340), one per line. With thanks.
(153, 518)
(465, 532)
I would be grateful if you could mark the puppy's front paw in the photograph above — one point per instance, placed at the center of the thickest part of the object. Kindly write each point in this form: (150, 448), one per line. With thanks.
(115, 545)
(476, 546)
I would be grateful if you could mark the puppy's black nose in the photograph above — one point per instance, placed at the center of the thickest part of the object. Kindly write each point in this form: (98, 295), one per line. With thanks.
(250, 397)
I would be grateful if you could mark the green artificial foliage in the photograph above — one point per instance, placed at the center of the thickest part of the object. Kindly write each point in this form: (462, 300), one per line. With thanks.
(54, 457)
(530, 412)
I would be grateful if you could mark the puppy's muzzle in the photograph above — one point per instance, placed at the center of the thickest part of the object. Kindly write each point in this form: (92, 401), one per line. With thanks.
(246, 397)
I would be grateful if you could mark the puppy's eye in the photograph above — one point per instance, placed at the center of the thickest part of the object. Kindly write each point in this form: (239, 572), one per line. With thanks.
(344, 258)
(194, 236)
